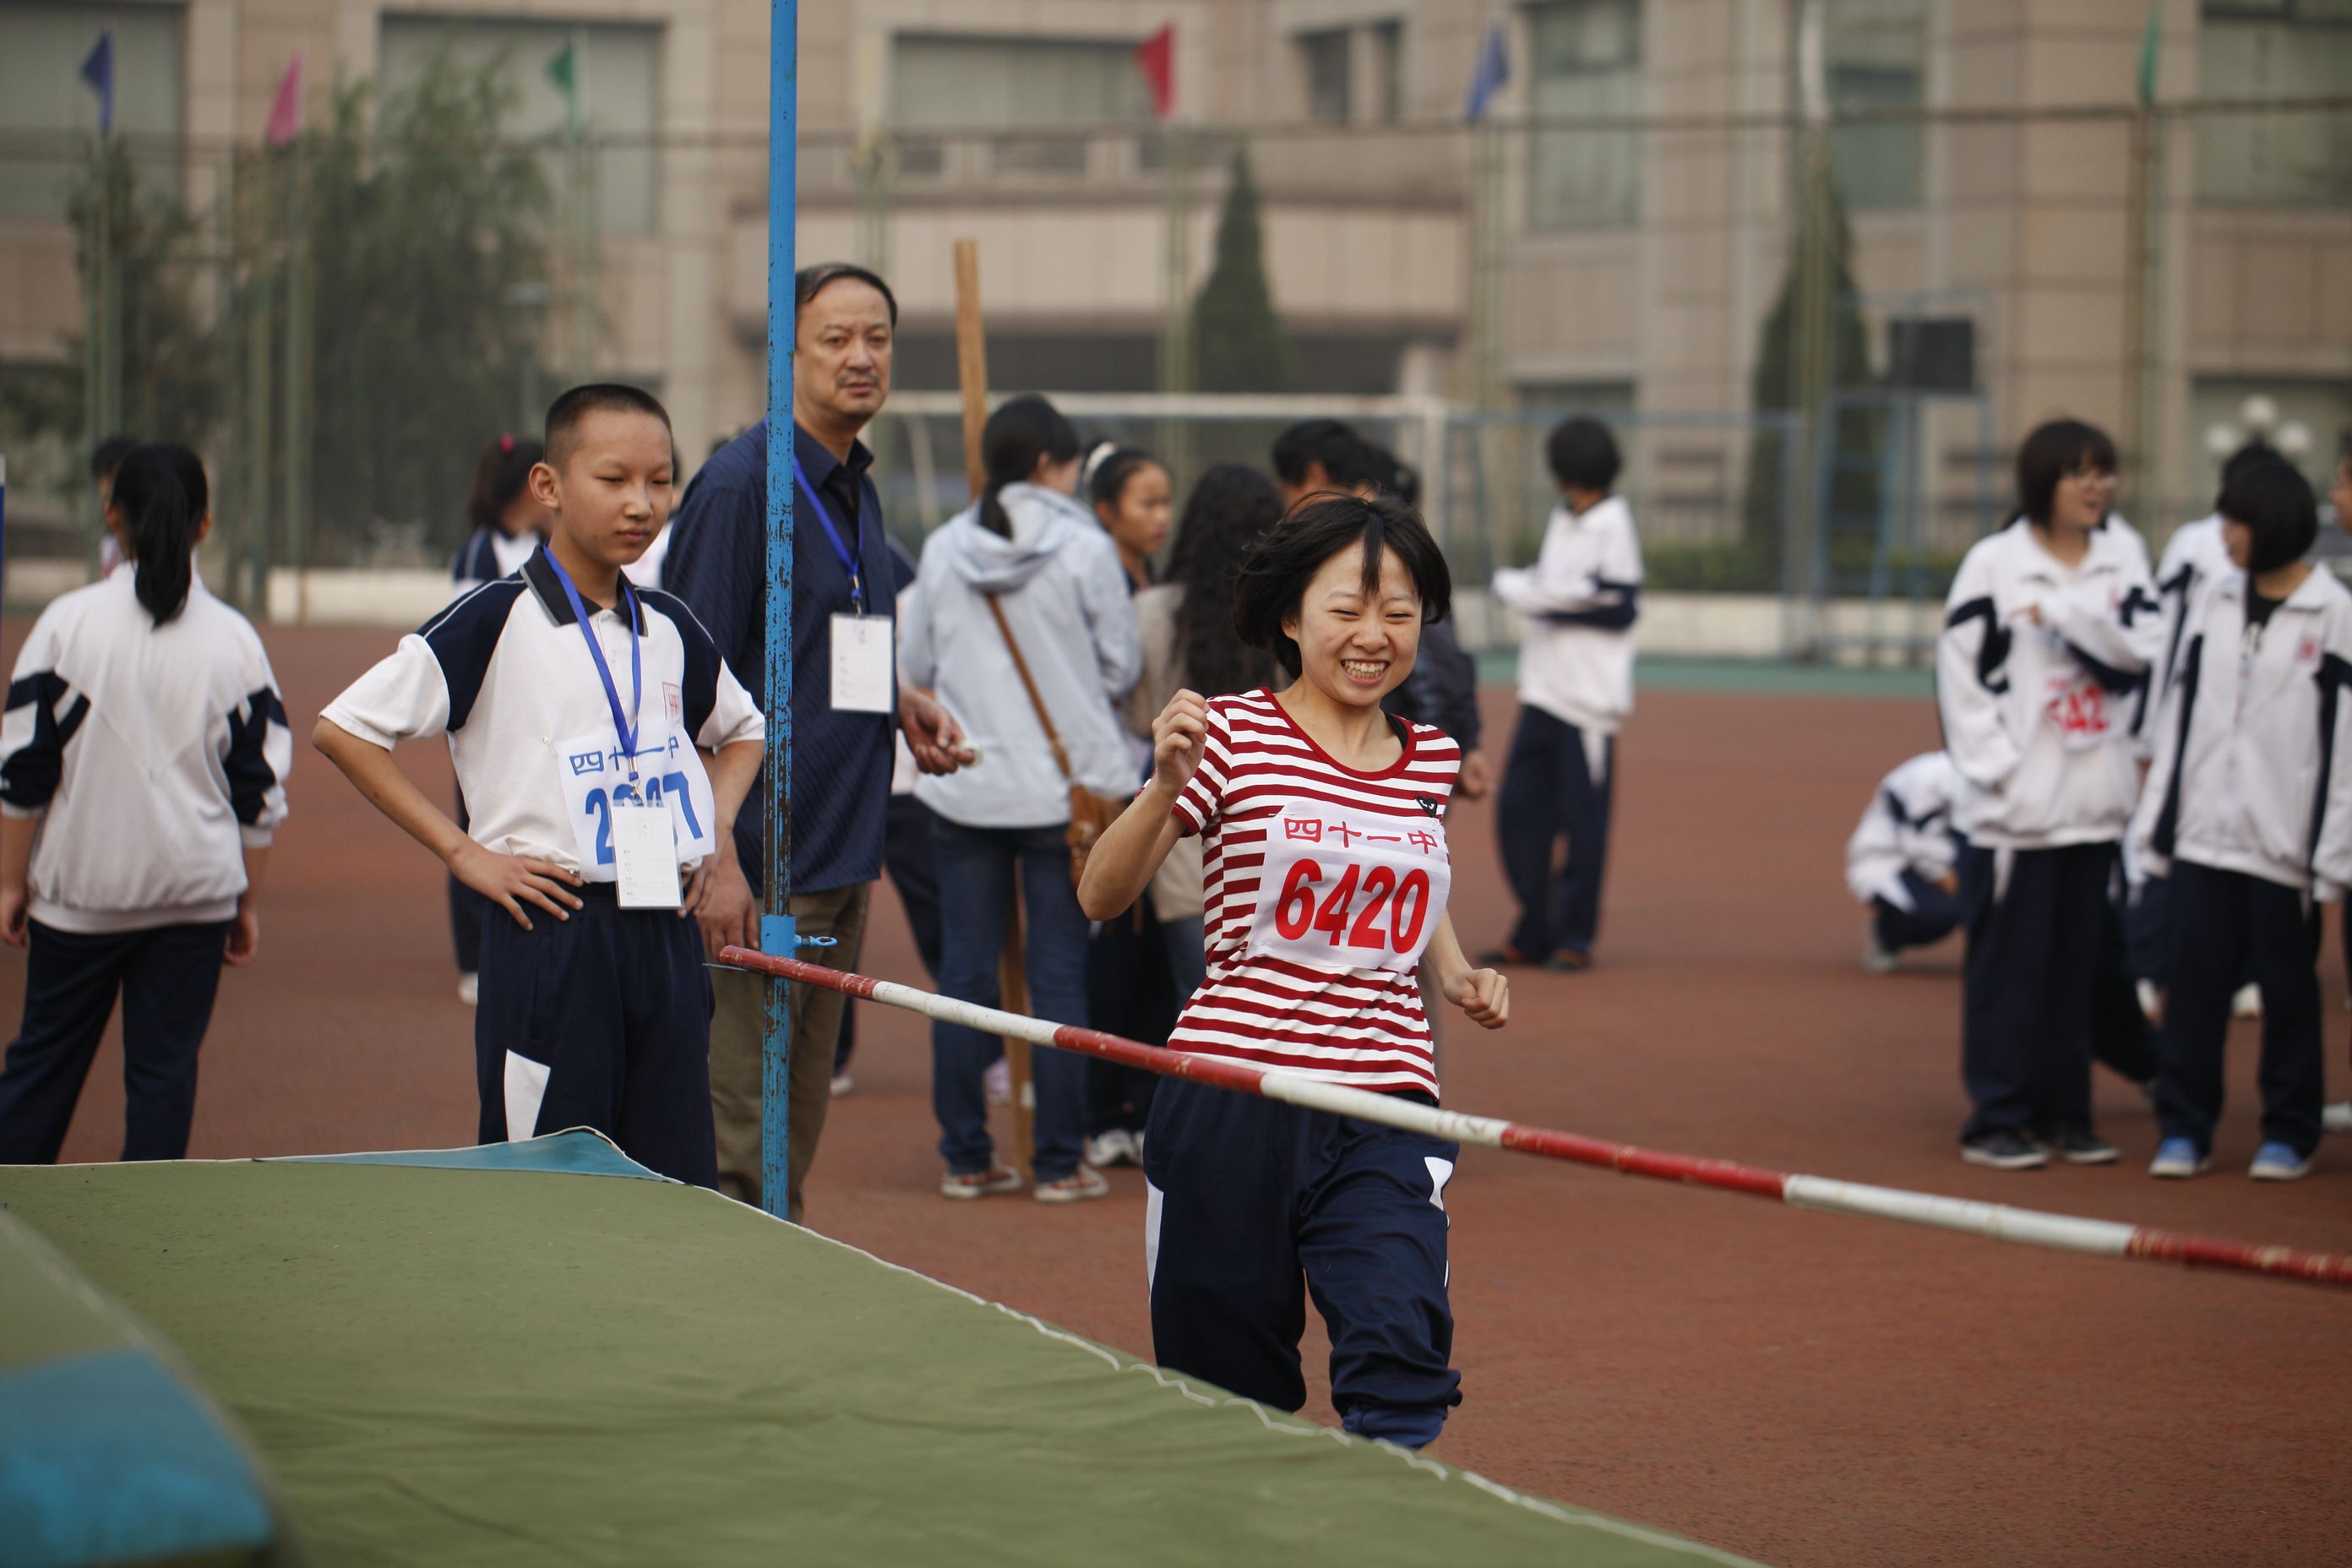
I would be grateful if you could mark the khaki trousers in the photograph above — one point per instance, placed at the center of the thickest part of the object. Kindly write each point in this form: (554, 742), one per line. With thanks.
(735, 1026)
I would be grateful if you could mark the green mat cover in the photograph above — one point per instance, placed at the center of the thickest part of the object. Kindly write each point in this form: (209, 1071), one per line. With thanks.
(491, 1366)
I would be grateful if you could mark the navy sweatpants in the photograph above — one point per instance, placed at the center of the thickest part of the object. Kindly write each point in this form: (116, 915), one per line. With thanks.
(1256, 1205)
(2222, 922)
(2043, 990)
(600, 1021)
(168, 977)
(1549, 792)
(1934, 915)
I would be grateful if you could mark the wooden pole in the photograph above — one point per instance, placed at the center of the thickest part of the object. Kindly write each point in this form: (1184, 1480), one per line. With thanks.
(1011, 973)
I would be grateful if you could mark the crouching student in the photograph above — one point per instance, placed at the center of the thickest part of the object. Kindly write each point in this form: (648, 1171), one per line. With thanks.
(1903, 861)
(2049, 632)
(2251, 802)
(1323, 825)
(581, 714)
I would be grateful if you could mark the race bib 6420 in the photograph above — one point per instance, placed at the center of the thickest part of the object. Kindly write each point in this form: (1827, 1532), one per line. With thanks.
(1345, 890)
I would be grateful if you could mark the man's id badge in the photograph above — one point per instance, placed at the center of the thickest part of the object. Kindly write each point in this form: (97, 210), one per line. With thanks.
(861, 664)
(645, 855)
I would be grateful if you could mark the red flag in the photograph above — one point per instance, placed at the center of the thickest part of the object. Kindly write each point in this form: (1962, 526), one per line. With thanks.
(1156, 58)
(286, 108)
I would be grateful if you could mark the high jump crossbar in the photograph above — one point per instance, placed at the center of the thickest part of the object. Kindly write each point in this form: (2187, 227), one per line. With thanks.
(1997, 1222)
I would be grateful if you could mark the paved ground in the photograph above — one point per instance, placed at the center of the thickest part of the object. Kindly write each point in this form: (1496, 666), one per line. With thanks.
(1804, 1388)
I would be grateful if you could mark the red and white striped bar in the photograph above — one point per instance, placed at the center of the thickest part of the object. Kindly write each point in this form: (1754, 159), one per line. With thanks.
(1998, 1222)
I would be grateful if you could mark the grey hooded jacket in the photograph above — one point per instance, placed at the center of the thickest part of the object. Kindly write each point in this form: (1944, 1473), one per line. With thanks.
(1062, 589)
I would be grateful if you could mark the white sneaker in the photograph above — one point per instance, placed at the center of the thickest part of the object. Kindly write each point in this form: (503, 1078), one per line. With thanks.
(1876, 960)
(2337, 1118)
(470, 990)
(842, 1084)
(2151, 1002)
(2246, 1002)
(999, 1082)
(1116, 1147)
(1080, 1184)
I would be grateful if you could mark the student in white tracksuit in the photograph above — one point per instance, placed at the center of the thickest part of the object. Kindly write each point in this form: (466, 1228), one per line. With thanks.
(2050, 631)
(2248, 804)
(1903, 861)
(1580, 600)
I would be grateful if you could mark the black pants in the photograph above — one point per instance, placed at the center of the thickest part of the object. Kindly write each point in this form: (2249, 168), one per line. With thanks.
(1934, 915)
(1130, 991)
(910, 857)
(2221, 922)
(600, 1021)
(2045, 991)
(1549, 792)
(168, 977)
(1253, 1205)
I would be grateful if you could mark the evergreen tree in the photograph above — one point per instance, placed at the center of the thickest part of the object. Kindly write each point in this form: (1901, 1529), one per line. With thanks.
(1238, 342)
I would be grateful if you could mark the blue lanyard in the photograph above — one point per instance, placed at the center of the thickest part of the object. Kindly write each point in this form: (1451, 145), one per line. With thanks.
(622, 725)
(849, 564)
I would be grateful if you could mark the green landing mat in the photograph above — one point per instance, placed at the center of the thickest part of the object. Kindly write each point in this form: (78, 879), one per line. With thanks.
(445, 1364)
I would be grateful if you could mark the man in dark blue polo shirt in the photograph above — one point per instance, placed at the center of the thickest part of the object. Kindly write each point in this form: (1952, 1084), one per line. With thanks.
(841, 751)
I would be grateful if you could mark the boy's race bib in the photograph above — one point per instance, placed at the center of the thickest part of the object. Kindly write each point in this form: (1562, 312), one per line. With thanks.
(669, 774)
(1344, 891)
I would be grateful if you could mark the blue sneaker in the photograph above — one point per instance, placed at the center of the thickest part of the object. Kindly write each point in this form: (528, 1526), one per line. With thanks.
(2177, 1159)
(2277, 1163)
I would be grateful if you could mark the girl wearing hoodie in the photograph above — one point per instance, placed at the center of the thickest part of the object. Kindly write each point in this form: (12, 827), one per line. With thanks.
(1023, 607)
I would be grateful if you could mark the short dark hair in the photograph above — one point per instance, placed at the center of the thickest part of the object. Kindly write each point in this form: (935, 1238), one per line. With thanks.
(1347, 458)
(1109, 467)
(2050, 453)
(1021, 431)
(500, 475)
(2272, 501)
(1396, 477)
(108, 455)
(1581, 452)
(1281, 562)
(564, 417)
(811, 280)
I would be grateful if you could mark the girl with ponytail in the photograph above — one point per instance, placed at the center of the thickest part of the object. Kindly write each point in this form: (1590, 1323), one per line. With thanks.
(142, 759)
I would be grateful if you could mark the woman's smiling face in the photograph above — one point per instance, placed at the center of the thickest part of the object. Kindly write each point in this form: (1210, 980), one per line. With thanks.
(1357, 647)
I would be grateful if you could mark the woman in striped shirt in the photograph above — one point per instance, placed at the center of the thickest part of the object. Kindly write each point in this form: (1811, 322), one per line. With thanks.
(1322, 823)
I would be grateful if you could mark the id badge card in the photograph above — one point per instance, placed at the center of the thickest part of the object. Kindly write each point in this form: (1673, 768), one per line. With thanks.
(861, 664)
(645, 854)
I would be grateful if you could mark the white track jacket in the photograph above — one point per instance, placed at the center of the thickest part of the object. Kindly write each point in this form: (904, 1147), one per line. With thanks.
(1581, 599)
(2254, 748)
(2038, 717)
(1908, 827)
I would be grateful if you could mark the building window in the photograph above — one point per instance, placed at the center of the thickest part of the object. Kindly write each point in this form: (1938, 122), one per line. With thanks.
(618, 72)
(43, 98)
(1324, 59)
(964, 83)
(1388, 71)
(2273, 49)
(1876, 54)
(1587, 61)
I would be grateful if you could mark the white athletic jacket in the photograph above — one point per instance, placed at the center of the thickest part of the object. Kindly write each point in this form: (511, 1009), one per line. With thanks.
(1908, 827)
(2038, 717)
(2253, 758)
(1580, 600)
(2194, 556)
(155, 755)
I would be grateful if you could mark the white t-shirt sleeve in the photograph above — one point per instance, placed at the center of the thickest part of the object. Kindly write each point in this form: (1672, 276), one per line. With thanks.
(404, 697)
(733, 715)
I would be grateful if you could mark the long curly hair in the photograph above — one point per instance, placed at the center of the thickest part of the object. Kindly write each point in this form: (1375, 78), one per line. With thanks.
(1229, 508)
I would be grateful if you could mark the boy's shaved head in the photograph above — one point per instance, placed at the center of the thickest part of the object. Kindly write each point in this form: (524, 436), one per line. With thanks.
(570, 410)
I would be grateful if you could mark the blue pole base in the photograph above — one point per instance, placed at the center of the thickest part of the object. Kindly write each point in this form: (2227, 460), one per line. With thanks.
(778, 935)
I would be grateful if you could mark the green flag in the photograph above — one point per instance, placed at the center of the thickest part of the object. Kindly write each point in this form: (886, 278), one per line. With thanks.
(2151, 45)
(564, 70)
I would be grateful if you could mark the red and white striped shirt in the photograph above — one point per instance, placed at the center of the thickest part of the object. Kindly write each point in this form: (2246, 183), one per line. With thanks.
(1363, 1027)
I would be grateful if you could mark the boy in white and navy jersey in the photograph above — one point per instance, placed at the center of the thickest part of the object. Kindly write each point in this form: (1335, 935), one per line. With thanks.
(579, 712)
(1322, 822)
(2048, 634)
(1576, 688)
(1903, 861)
(143, 766)
(2249, 802)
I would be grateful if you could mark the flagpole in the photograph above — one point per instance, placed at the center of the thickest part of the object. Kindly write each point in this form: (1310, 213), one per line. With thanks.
(777, 932)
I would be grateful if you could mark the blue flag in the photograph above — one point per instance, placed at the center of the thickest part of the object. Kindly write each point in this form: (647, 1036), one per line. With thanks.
(1494, 70)
(98, 71)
